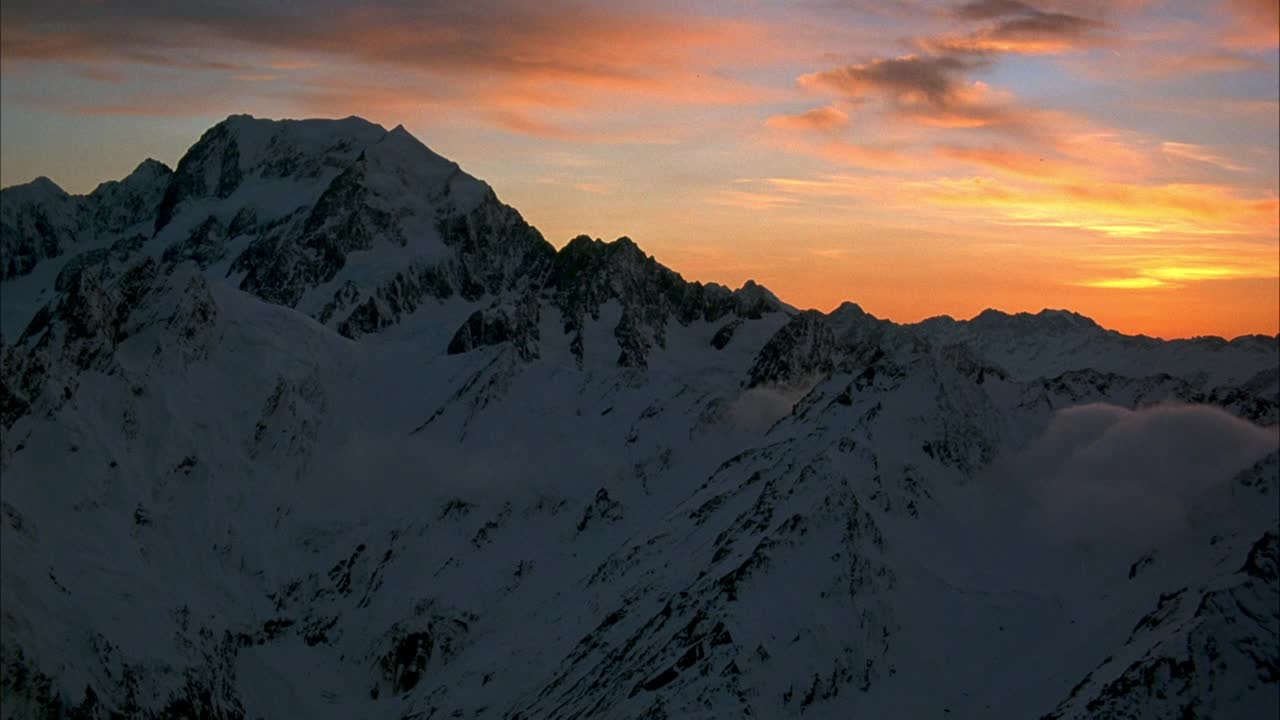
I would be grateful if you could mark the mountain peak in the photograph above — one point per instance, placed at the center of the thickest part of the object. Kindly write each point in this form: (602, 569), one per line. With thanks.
(244, 149)
(849, 308)
(38, 189)
(412, 151)
(1056, 319)
(151, 167)
(147, 174)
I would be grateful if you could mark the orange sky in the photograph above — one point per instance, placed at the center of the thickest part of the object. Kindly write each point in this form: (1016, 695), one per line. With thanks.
(1115, 158)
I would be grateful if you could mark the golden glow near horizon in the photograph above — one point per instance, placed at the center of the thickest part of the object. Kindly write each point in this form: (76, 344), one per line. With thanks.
(919, 158)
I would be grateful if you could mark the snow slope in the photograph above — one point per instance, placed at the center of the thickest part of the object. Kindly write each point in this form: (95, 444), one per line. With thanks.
(315, 426)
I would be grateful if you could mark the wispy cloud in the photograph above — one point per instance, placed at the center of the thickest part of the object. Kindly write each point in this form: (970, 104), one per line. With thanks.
(1251, 24)
(1204, 63)
(823, 118)
(906, 79)
(752, 200)
(512, 58)
(1112, 208)
(1009, 26)
(1199, 153)
(1173, 272)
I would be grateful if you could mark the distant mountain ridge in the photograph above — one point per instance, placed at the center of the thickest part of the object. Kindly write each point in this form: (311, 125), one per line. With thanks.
(314, 425)
(243, 153)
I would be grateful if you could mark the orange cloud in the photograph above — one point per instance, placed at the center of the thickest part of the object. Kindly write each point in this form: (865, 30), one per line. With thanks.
(1200, 64)
(975, 105)
(508, 59)
(1014, 27)
(1198, 153)
(823, 118)
(910, 78)
(1254, 24)
(751, 200)
(1170, 266)
(1014, 161)
(926, 90)
(1176, 276)
(1125, 283)
(1114, 209)
(874, 157)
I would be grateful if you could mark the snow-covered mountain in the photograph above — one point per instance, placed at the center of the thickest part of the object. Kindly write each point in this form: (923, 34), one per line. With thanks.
(315, 426)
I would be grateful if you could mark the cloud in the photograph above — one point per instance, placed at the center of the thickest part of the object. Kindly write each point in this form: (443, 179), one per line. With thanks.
(1113, 208)
(1252, 24)
(1016, 27)
(1126, 283)
(823, 118)
(906, 79)
(927, 90)
(1167, 275)
(1012, 160)
(1171, 264)
(989, 9)
(507, 59)
(760, 407)
(1040, 26)
(134, 105)
(1058, 147)
(1199, 64)
(597, 188)
(1104, 474)
(751, 200)
(1198, 153)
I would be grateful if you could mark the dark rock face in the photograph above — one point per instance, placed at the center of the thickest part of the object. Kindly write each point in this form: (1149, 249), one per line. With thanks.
(495, 255)
(1199, 647)
(803, 348)
(492, 251)
(687, 651)
(101, 303)
(516, 324)
(1263, 563)
(496, 251)
(724, 335)
(1057, 321)
(280, 268)
(29, 232)
(415, 648)
(138, 689)
(39, 221)
(579, 281)
(491, 254)
(588, 273)
(211, 168)
(132, 201)
(204, 246)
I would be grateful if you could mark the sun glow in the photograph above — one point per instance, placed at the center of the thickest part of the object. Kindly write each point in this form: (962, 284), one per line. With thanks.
(1098, 156)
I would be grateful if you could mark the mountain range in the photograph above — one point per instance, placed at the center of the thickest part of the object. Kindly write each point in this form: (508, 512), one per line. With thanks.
(313, 425)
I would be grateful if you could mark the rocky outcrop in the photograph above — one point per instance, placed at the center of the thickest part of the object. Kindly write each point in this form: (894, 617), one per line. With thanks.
(515, 323)
(803, 349)
(587, 274)
(39, 221)
(1200, 651)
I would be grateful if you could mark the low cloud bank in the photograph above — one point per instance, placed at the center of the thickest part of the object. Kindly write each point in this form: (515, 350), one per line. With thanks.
(760, 407)
(1102, 473)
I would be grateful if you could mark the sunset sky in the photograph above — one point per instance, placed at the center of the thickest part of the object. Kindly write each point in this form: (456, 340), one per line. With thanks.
(1117, 158)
